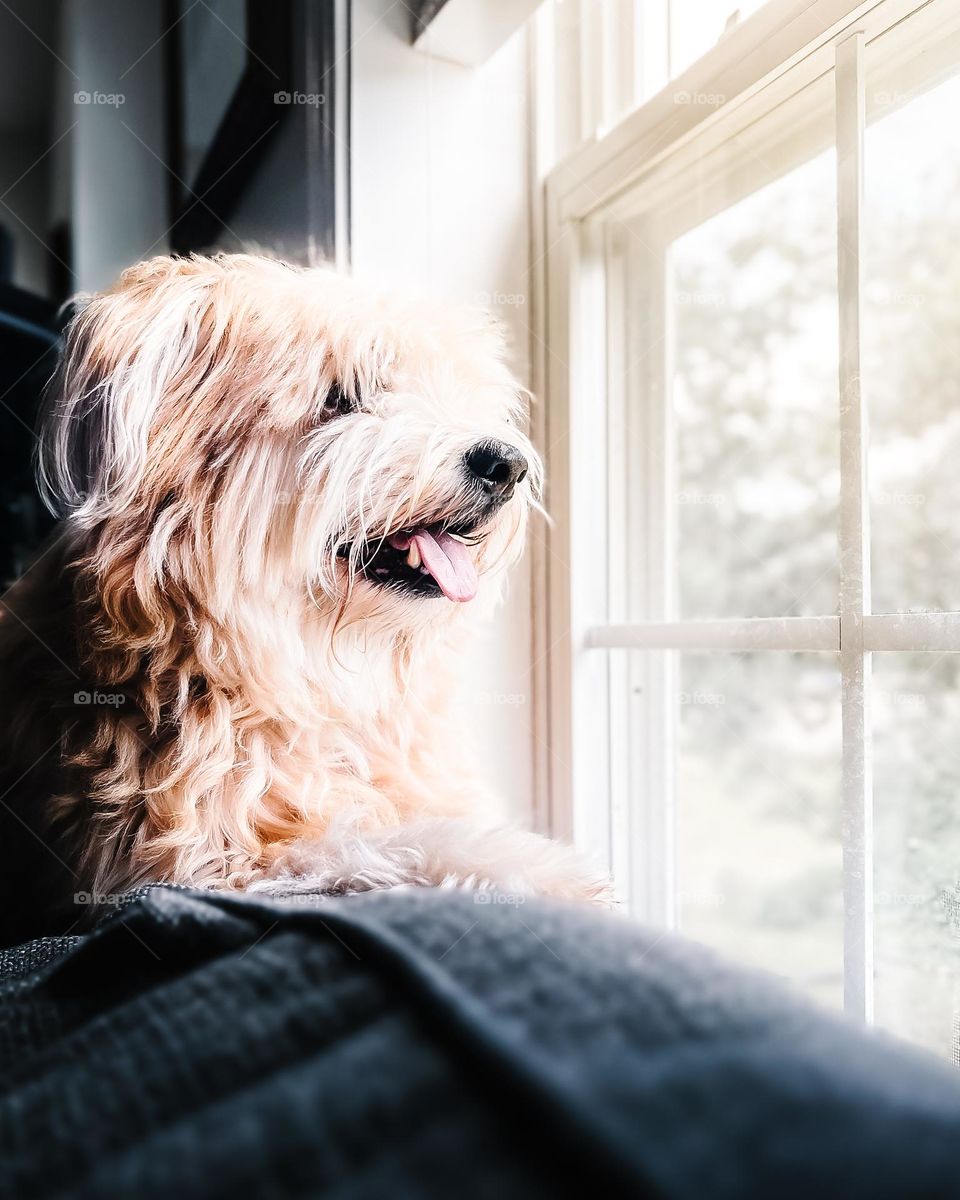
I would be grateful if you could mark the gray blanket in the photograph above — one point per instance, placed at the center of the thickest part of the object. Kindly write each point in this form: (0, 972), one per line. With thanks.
(421, 1044)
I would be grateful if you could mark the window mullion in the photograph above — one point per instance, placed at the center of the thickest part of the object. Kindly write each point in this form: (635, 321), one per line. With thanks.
(723, 633)
(857, 823)
(653, 683)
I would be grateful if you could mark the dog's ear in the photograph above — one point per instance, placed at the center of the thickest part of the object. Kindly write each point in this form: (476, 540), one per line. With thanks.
(125, 351)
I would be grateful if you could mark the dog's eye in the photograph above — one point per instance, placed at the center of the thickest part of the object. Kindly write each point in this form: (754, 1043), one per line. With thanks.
(338, 402)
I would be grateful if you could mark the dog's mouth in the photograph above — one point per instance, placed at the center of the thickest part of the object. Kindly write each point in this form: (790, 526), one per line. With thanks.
(429, 560)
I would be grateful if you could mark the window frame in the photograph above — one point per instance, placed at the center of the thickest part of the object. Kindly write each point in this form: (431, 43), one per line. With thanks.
(776, 56)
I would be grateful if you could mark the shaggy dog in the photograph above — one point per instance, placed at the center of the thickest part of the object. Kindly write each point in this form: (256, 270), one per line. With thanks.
(285, 502)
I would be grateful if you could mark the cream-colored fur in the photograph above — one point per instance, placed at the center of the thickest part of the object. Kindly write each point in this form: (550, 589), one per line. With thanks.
(230, 440)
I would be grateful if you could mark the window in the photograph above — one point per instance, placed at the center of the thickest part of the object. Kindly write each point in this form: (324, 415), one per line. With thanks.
(753, 653)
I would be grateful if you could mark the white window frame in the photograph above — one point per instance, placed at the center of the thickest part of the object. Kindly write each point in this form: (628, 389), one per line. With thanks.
(771, 58)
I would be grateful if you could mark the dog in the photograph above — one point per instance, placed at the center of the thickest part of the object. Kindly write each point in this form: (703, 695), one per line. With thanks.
(286, 502)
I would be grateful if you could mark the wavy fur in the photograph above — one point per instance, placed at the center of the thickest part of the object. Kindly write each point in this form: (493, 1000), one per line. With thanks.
(208, 493)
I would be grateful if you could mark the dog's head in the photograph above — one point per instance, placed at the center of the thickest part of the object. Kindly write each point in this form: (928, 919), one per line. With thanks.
(231, 434)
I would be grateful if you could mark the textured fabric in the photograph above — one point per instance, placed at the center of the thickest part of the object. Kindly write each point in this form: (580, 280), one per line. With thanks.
(421, 1044)
(25, 959)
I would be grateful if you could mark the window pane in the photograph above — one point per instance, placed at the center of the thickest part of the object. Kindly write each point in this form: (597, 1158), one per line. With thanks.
(754, 388)
(916, 714)
(912, 344)
(758, 804)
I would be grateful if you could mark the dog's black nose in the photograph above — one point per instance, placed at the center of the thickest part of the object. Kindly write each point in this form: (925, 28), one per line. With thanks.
(499, 467)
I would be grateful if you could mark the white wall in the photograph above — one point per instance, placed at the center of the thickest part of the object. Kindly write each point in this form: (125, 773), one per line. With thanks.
(27, 73)
(440, 201)
(27, 179)
(119, 182)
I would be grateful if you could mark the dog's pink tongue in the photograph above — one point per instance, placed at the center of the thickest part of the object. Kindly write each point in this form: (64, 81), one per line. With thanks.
(449, 562)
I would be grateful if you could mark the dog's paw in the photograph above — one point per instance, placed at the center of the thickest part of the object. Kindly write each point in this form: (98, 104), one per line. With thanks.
(517, 862)
(580, 883)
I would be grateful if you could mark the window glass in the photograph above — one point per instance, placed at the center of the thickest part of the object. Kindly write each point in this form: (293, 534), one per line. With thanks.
(753, 310)
(758, 812)
(916, 714)
(911, 347)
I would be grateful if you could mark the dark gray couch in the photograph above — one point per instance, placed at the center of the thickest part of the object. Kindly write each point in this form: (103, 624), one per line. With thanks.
(421, 1044)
